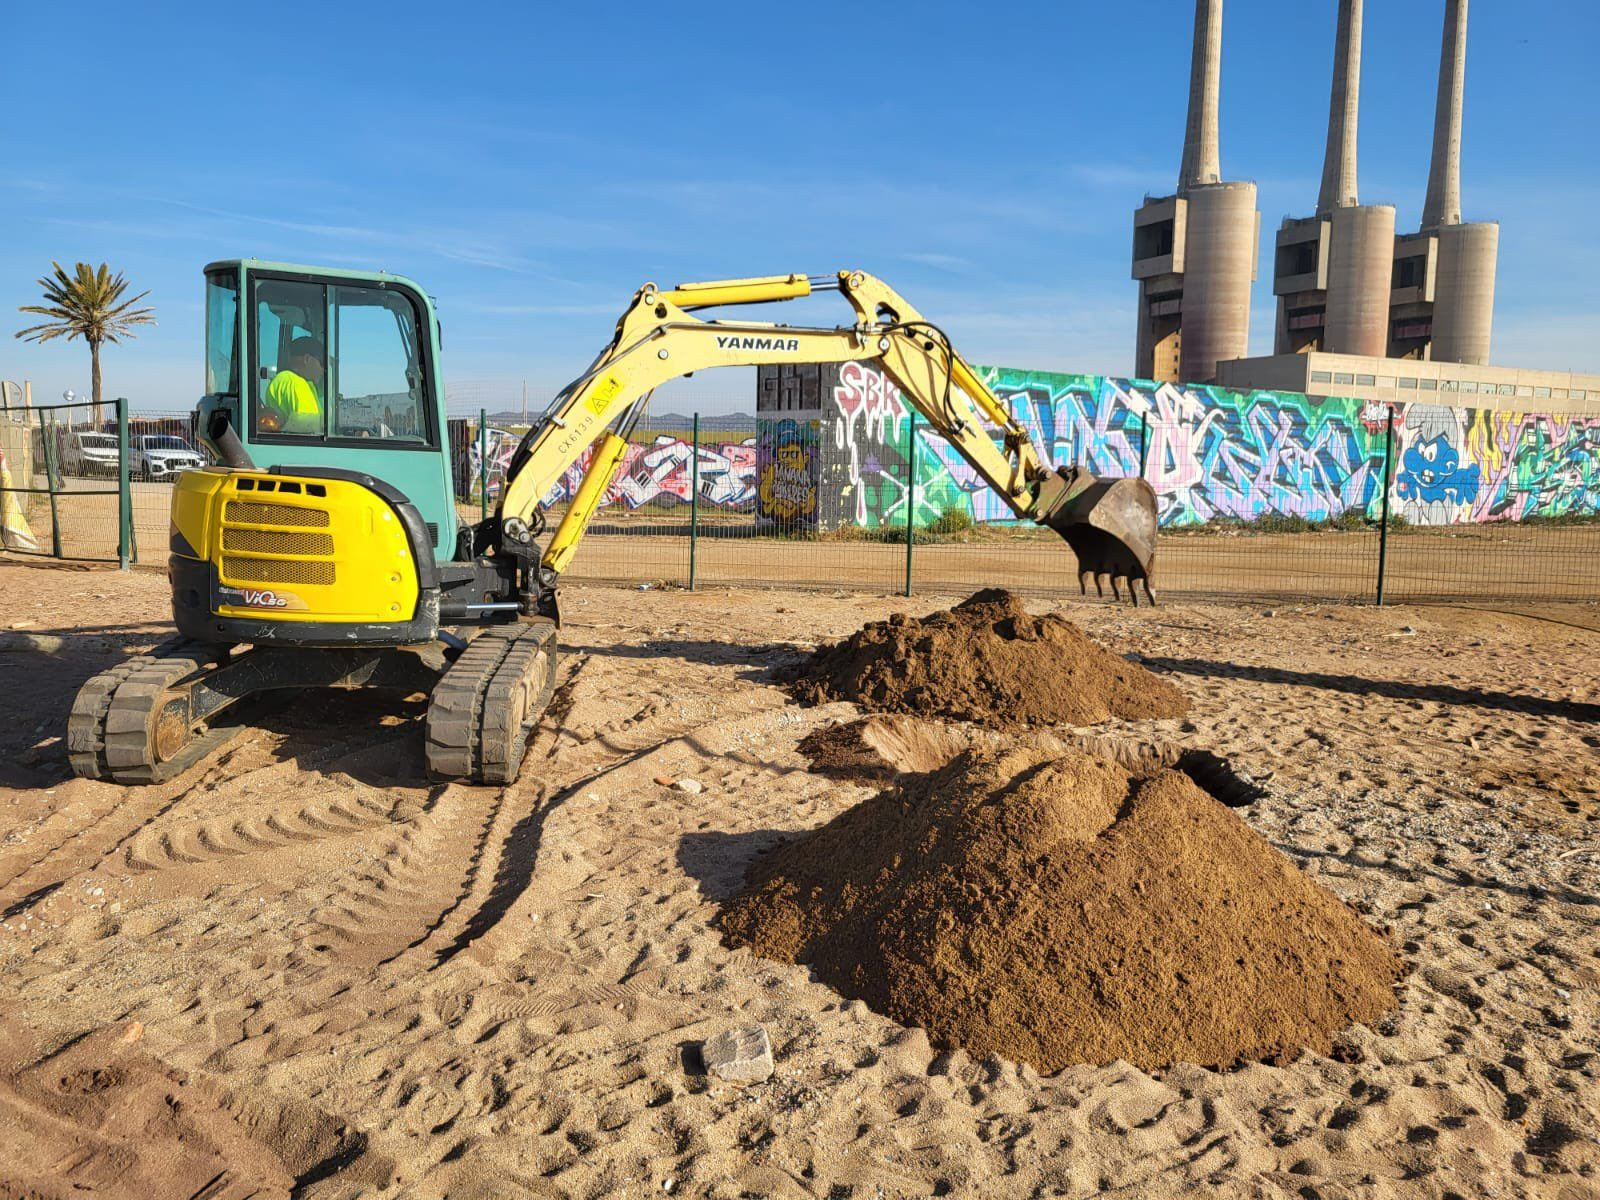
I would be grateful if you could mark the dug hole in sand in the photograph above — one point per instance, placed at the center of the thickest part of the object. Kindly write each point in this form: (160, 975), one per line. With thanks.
(1045, 903)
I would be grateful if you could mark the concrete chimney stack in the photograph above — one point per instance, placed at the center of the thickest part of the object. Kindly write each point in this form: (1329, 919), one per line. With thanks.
(1442, 305)
(1201, 155)
(1194, 252)
(1339, 163)
(1332, 271)
(1443, 205)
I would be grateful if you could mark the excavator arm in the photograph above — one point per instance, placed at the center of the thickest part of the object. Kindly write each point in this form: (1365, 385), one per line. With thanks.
(1110, 524)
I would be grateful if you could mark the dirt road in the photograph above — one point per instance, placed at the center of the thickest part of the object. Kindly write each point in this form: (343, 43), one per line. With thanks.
(302, 967)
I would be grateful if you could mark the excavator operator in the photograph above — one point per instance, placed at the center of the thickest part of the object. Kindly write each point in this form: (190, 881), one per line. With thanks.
(293, 401)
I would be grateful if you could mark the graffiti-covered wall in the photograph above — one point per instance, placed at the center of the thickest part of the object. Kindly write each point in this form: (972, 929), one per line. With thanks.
(654, 471)
(1210, 453)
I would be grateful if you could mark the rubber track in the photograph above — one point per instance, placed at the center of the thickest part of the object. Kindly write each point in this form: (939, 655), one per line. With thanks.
(108, 729)
(477, 701)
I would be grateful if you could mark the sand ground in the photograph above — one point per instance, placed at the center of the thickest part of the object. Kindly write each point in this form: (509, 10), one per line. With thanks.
(303, 970)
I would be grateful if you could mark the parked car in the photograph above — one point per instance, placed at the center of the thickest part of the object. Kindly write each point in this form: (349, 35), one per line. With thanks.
(161, 456)
(90, 454)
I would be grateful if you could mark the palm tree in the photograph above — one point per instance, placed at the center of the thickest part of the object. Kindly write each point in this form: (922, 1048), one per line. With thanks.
(87, 304)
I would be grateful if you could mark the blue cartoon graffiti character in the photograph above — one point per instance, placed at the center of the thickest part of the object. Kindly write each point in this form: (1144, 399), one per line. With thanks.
(1433, 483)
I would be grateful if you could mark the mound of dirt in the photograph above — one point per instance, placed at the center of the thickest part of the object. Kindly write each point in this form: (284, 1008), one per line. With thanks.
(986, 660)
(1054, 909)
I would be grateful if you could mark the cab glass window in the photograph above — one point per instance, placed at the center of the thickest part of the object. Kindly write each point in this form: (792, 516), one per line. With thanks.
(291, 319)
(378, 377)
(222, 334)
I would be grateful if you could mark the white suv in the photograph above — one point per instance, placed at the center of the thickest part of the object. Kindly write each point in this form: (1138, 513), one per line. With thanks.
(90, 454)
(161, 456)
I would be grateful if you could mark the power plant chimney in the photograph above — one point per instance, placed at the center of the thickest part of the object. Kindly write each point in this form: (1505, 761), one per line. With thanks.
(1201, 155)
(1339, 163)
(1194, 252)
(1443, 205)
(1442, 306)
(1333, 270)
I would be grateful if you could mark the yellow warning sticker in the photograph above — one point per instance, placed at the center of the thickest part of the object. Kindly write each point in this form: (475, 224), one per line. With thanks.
(602, 394)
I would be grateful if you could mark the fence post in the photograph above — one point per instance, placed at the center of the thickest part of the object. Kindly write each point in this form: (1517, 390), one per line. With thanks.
(125, 550)
(52, 477)
(1383, 528)
(911, 490)
(694, 495)
(1144, 443)
(483, 464)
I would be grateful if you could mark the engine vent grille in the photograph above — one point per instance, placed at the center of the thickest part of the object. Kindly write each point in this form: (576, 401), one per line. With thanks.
(271, 541)
(276, 570)
(250, 513)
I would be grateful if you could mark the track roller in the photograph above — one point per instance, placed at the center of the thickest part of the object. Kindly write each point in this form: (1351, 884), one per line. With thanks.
(489, 700)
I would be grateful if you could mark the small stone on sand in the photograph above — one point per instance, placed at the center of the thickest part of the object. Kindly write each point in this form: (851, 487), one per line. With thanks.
(739, 1055)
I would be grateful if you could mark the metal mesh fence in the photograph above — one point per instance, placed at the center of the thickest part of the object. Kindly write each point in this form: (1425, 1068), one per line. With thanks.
(90, 487)
(730, 500)
(60, 486)
(749, 509)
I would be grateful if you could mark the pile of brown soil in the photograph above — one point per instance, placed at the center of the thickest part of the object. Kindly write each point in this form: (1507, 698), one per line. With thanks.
(986, 660)
(1054, 909)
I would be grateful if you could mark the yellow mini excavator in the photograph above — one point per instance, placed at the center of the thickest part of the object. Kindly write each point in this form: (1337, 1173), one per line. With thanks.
(325, 549)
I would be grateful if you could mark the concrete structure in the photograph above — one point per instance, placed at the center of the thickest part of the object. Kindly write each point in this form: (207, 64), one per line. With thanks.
(1389, 380)
(1442, 302)
(1331, 271)
(1194, 253)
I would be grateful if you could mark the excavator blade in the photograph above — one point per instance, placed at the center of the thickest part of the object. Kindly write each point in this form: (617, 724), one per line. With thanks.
(1110, 525)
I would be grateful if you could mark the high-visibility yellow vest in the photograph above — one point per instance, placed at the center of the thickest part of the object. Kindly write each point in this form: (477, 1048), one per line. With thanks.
(297, 402)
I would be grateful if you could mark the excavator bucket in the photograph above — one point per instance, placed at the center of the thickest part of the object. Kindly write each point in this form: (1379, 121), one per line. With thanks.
(1110, 525)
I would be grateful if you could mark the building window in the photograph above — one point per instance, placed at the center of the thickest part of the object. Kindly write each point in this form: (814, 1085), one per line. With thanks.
(1558, 393)
(1542, 392)
(1524, 390)
(1366, 380)
(1409, 385)
(1470, 385)
(1321, 377)
(1447, 385)
(1343, 377)
(1507, 390)
(1575, 394)
(1428, 385)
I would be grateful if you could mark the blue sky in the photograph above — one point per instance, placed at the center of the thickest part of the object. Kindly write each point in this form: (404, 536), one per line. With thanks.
(532, 164)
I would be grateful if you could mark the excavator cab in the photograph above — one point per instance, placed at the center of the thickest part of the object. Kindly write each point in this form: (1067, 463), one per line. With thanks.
(370, 398)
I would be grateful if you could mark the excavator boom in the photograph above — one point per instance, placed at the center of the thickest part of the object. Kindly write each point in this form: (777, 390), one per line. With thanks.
(1109, 524)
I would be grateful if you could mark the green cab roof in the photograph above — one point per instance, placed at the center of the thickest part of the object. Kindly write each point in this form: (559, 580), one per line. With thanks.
(261, 264)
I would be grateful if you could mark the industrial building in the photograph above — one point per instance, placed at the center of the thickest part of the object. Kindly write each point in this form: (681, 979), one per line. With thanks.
(1332, 271)
(1195, 252)
(1391, 380)
(1346, 284)
(1442, 300)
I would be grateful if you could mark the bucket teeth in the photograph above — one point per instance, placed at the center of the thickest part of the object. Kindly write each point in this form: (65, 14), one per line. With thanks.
(1110, 525)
